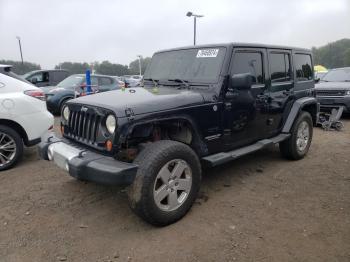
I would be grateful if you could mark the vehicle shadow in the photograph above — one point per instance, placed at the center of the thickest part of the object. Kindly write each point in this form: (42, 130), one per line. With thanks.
(111, 202)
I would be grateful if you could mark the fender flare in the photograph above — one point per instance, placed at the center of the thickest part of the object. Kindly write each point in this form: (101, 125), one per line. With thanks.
(298, 106)
(201, 147)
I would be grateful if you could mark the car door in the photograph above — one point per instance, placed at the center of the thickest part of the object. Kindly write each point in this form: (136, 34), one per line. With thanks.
(56, 77)
(53, 77)
(245, 111)
(280, 88)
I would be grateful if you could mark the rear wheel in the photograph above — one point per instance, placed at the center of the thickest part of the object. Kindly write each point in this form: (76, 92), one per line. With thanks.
(298, 144)
(11, 147)
(167, 182)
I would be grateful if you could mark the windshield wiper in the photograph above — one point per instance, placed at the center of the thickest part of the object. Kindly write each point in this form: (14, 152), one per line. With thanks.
(155, 81)
(181, 81)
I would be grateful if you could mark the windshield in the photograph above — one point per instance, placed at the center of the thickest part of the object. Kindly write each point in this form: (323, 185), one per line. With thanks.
(71, 81)
(337, 75)
(202, 65)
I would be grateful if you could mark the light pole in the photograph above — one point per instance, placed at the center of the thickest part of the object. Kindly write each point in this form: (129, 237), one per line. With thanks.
(20, 47)
(139, 56)
(189, 14)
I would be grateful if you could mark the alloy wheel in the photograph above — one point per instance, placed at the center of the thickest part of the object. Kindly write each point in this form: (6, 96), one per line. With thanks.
(7, 149)
(172, 185)
(303, 136)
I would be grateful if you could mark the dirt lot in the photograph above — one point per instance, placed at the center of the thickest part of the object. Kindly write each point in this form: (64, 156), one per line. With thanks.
(259, 208)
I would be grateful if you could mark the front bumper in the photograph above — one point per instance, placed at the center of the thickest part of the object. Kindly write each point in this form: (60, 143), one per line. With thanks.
(53, 104)
(86, 165)
(333, 101)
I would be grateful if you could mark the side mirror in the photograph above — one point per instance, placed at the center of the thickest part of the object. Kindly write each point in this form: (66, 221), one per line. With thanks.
(242, 81)
(317, 80)
(34, 80)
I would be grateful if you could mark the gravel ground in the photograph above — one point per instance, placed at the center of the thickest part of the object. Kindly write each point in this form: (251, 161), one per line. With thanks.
(258, 208)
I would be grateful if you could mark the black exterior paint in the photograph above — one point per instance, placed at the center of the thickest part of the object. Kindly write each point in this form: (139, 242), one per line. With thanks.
(221, 123)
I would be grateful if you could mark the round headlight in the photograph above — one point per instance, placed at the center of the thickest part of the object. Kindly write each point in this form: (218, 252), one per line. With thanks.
(111, 123)
(65, 113)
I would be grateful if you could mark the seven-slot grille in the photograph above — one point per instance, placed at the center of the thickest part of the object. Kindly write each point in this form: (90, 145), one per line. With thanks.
(330, 92)
(84, 126)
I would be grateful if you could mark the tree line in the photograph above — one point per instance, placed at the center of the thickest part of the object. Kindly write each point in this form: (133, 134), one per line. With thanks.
(333, 55)
(103, 68)
(20, 69)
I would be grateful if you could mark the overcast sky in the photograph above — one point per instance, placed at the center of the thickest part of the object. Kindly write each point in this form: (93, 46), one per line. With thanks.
(114, 30)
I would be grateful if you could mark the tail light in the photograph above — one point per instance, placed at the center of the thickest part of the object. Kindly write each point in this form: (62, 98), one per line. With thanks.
(36, 94)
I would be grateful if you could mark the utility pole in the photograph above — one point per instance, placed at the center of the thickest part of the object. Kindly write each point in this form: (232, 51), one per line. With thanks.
(189, 14)
(20, 47)
(139, 56)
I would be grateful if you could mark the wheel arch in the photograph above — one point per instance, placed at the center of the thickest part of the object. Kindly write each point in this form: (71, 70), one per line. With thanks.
(64, 98)
(17, 127)
(307, 104)
(197, 143)
(311, 108)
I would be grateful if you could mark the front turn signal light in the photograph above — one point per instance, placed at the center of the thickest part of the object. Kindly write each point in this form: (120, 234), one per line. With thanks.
(109, 145)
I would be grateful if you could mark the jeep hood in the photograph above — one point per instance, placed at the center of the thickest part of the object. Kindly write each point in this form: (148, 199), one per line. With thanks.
(333, 86)
(142, 100)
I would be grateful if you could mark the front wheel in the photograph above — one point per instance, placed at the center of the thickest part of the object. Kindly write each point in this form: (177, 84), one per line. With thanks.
(298, 144)
(11, 147)
(167, 182)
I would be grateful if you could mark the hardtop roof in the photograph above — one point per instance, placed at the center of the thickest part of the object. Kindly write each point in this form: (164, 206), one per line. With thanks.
(237, 44)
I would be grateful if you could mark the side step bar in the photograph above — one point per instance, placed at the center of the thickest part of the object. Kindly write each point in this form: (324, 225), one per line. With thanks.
(223, 157)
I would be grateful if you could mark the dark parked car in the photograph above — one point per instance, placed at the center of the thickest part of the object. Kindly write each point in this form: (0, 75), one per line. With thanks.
(334, 89)
(199, 106)
(42, 78)
(75, 86)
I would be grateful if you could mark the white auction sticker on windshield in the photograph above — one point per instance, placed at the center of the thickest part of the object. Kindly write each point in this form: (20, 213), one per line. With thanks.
(207, 53)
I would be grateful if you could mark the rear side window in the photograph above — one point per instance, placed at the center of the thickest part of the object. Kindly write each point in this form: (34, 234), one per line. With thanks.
(280, 67)
(105, 81)
(93, 79)
(303, 67)
(248, 62)
(58, 76)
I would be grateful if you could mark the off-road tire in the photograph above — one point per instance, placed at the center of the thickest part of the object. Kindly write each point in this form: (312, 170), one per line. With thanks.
(288, 148)
(150, 160)
(19, 146)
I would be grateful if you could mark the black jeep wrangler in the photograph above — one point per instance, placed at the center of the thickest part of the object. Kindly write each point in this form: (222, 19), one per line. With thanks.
(198, 106)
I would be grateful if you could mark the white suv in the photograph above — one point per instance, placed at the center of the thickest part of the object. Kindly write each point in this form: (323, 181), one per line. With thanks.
(24, 118)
